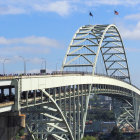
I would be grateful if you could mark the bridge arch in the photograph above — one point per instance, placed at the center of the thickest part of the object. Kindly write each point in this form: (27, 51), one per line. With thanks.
(56, 105)
(88, 42)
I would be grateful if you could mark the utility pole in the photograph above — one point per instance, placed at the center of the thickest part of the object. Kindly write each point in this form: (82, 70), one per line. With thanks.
(3, 64)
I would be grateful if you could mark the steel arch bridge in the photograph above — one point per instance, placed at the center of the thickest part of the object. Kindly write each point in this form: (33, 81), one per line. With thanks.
(56, 105)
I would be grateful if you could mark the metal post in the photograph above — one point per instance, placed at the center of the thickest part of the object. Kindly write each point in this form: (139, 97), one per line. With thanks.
(34, 92)
(65, 101)
(24, 67)
(45, 64)
(2, 93)
(3, 64)
(82, 110)
(136, 104)
(78, 113)
(41, 96)
(3, 69)
(10, 92)
(56, 66)
(27, 98)
(60, 97)
(87, 91)
(74, 114)
(54, 93)
(70, 106)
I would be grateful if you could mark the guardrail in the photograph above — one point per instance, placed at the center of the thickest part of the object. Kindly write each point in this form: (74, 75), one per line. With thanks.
(14, 76)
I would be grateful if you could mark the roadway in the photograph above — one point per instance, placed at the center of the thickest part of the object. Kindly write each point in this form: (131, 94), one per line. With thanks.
(35, 82)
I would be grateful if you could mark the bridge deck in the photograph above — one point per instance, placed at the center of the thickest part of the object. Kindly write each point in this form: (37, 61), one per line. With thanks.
(35, 82)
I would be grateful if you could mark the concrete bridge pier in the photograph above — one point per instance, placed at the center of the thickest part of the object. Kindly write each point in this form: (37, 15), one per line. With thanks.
(10, 124)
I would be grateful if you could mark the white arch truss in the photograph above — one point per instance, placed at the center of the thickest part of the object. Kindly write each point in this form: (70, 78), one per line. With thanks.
(88, 41)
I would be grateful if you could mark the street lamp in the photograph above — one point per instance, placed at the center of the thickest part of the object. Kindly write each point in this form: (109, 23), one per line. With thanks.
(56, 66)
(3, 60)
(3, 64)
(24, 63)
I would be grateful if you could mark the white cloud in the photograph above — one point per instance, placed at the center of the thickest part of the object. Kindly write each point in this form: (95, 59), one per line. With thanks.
(31, 45)
(31, 40)
(61, 7)
(21, 50)
(5, 10)
(112, 2)
(133, 16)
(130, 33)
(134, 50)
(36, 60)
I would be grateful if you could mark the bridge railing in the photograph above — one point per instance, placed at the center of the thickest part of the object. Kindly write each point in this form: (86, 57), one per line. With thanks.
(13, 76)
(121, 78)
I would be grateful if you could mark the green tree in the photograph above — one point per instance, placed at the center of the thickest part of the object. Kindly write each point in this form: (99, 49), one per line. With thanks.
(116, 133)
(89, 138)
(21, 132)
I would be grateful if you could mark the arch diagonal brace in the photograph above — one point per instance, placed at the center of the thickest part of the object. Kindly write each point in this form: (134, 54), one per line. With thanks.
(59, 110)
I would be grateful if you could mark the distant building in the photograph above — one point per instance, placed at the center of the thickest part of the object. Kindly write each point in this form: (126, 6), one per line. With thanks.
(99, 126)
(42, 71)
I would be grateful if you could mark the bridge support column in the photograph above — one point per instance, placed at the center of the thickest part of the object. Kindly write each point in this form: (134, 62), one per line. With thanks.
(17, 84)
(10, 92)
(137, 110)
(10, 124)
(2, 94)
(124, 114)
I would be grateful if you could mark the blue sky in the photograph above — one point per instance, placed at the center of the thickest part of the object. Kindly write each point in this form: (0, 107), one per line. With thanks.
(39, 29)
